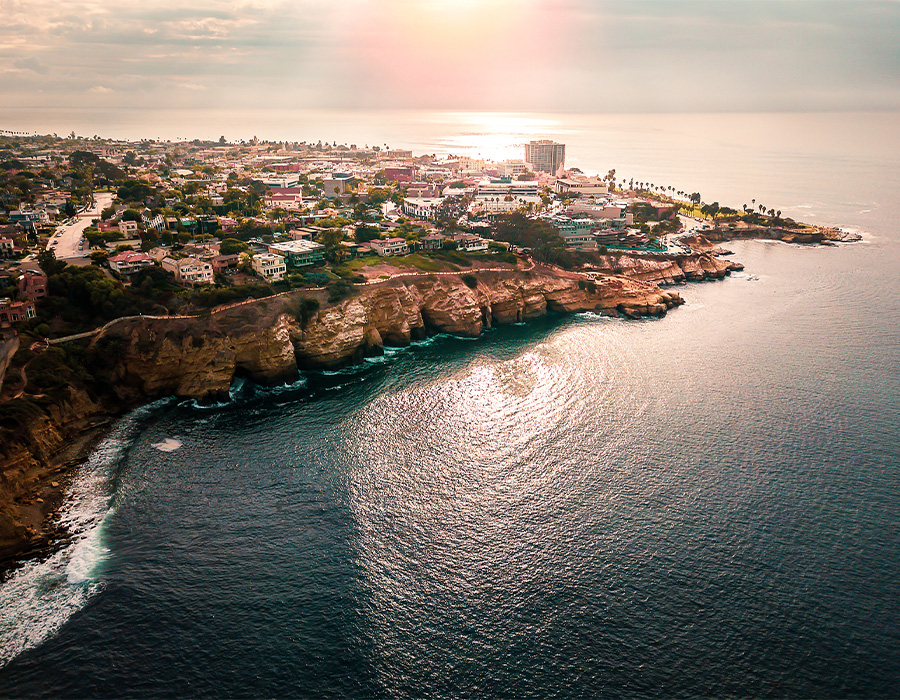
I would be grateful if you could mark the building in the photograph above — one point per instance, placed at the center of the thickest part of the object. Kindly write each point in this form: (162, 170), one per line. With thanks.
(189, 270)
(512, 168)
(14, 311)
(397, 154)
(431, 241)
(299, 253)
(129, 228)
(282, 182)
(545, 156)
(337, 184)
(32, 285)
(128, 262)
(402, 174)
(269, 266)
(389, 246)
(29, 217)
(470, 243)
(578, 187)
(422, 207)
(7, 247)
(501, 188)
(220, 263)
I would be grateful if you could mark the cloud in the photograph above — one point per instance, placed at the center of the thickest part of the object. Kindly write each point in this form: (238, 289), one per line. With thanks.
(30, 64)
(526, 55)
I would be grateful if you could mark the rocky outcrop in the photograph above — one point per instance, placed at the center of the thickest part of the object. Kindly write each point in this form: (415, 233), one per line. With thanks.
(806, 235)
(701, 244)
(670, 269)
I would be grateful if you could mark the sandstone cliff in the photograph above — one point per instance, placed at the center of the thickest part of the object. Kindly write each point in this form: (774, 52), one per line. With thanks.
(659, 269)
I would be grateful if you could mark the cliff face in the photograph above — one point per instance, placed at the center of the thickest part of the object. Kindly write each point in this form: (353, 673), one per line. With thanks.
(143, 359)
(199, 358)
(405, 310)
(669, 269)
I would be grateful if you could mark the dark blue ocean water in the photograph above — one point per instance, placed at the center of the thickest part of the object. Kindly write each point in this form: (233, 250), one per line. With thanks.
(703, 505)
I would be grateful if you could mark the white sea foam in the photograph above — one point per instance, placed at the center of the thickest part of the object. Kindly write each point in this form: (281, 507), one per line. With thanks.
(167, 445)
(40, 596)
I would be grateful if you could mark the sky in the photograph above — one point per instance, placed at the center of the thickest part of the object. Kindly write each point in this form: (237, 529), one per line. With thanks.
(562, 56)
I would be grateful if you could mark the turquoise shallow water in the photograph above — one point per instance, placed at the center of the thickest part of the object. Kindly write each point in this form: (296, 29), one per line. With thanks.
(704, 505)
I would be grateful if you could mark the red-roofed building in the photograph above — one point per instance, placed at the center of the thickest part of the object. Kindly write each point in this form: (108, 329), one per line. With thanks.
(14, 311)
(33, 285)
(128, 262)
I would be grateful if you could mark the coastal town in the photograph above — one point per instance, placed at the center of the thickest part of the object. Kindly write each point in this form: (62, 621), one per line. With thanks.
(159, 227)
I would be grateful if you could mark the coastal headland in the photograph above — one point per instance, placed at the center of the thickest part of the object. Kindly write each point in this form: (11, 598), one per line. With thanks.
(130, 279)
(135, 361)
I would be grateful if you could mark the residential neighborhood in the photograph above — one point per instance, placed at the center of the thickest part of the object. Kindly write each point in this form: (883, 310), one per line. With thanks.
(124, 225)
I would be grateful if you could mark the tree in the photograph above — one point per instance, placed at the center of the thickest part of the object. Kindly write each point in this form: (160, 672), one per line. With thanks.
(365, 233)
(221, 140)
(131, 215)
(99, 257)
(331, 238)
(49, 264)
(230, 246)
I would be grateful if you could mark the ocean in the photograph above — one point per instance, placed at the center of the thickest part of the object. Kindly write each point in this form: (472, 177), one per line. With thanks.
(705, 505)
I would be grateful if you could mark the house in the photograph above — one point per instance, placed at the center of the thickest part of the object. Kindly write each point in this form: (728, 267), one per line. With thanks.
(26, 217)
(7, 247)
(389, 246)
(33, 285)
(128, 262)
(14, 311)
(470, 242)
(269, 266)
(220, 263)
(431, 241)
(350, 249)
(189, 270)
(299, 253)
(227, 224)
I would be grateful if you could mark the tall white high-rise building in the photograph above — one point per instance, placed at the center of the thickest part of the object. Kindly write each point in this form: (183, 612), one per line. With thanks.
(545, 156)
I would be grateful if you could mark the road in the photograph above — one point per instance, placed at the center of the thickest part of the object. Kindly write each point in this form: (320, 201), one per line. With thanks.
(68, 238)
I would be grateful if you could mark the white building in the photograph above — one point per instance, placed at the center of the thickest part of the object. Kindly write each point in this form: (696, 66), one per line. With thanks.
(189, 270)
(546, 156)
(504, 204)
(470, 242)
(269, 266)
(129, 228)
(587, 187)
(389, 246)
(422, 207)
(515, 188)
(512, 168)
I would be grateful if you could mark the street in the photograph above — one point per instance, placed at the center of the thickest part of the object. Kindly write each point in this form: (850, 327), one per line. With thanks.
(68, 238)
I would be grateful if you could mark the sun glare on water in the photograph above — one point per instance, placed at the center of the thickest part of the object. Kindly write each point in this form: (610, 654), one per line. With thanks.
(495, 136)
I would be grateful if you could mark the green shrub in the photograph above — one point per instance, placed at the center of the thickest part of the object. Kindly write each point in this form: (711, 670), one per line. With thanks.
(471, 281)
(304, 310)
(340, 291)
